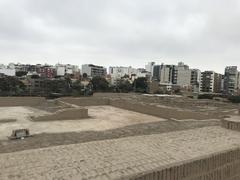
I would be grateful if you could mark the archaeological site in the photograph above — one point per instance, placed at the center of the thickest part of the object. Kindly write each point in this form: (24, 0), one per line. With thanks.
(119, 136)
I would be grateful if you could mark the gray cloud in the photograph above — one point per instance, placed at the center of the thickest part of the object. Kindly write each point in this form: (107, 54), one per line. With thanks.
(204, 34)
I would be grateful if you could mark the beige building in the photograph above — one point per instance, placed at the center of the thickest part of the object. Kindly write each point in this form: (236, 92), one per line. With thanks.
(183, 75)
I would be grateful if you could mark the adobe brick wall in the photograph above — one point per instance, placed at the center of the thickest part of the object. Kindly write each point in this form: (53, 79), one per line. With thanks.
(232, 125)
(221, 166)
(140, 107)
(86, 101)
(21, 101)
(162, 112)
(65, 114)
(209, 153)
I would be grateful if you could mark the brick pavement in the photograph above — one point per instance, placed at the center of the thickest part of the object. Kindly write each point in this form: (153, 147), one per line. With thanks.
(117, 158)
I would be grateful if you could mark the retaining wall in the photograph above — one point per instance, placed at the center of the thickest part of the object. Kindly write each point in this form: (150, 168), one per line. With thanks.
(65, 114)
(21, 101)
(162, 112)
(221, 166)
(233, 125)
(86, 101)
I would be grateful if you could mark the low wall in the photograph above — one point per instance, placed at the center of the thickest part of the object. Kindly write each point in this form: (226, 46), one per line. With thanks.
(21, 101)
(86, 101)
(162, 112)
(221, 166)
(65, 114)
(232, 125)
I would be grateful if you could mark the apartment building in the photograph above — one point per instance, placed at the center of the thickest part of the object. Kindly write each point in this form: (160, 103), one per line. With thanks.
(211, 82)
(231, 80)
(165, 74)
(94, 70)
(47, 71)
(183, 75)
(149, 68)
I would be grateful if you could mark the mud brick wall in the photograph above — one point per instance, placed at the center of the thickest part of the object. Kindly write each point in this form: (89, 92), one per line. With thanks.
(86, 101)
(65, 114)
(233, 125)
(221, 166)
(21, 101)
(162, 112)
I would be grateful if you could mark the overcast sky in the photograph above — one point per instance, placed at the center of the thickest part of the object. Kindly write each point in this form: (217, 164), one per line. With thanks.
(202, 33)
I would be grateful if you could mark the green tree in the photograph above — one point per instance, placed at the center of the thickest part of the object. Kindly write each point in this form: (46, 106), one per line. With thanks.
(77, 88)
(21, 73)
(124, 86)
(11, 86)
(100, 84)
(140, 85)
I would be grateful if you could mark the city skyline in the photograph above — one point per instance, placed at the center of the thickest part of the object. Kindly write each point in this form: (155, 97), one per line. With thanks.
(202, 34)
(143, 66)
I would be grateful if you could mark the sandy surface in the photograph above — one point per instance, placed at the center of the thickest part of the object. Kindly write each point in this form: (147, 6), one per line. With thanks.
(101, 118)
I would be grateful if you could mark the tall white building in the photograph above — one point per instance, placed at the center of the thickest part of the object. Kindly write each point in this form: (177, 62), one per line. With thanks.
(165, 74)
(119, 72)
(149, 67)
(231, 80)
(187, 77)
(168, 74)
(141, 72)
(63, 69)
(94, 70)
(60, 70)
(183, 75)
(195, 80)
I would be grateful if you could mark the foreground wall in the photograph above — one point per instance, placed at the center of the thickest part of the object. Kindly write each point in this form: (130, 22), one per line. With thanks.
(65, 114)
(222, 166)
(21, 101)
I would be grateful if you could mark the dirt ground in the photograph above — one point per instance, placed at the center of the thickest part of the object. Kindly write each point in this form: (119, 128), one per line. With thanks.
(55, 139)
(210, 107)
(101, 118)
(105, 122)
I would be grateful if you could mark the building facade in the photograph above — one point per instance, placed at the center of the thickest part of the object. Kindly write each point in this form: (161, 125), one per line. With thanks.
(67, 69)
(47, 71)
(165, 74)
(207, 82)
(156, 73)
(183, 75)
(94, 70)
(149, 68)
(195, 80)
(211, 82)
(231, 80)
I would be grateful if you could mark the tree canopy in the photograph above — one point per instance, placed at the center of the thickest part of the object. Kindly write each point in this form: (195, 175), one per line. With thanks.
(100, 84)
(11, 86)
(140, 85)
